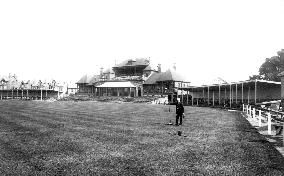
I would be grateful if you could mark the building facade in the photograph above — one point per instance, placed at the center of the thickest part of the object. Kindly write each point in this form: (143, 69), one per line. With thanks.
(123, 79)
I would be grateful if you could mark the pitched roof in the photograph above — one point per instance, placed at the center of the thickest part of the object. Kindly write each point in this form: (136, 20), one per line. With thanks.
(171, 75)
(153, 78)
(149, 68)
(117, 84)
(85, 79)
(133, 62)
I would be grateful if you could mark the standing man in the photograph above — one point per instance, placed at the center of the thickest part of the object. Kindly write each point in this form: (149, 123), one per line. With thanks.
(179, 112)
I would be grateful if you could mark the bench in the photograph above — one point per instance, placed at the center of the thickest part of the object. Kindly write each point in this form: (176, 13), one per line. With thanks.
(278, 127)
(277, 117)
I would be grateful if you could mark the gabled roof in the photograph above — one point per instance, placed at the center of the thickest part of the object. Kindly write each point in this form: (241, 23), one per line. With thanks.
(117, 84)
(149, 68)
(85, 79)
(153, 78)
(133, 62)
(171, 75)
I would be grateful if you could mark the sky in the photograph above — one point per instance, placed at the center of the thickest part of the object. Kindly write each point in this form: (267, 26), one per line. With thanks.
(64, 40)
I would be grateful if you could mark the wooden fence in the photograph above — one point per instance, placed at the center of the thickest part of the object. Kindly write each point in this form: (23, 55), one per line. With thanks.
(265, 115)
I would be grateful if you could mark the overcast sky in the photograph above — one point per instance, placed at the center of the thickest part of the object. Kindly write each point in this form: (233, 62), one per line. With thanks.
(206, 39)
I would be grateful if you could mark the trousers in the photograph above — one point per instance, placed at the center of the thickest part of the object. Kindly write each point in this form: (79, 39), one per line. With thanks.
(179, 118)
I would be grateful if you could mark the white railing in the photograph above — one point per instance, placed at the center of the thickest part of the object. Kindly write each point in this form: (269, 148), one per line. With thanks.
(259, 115)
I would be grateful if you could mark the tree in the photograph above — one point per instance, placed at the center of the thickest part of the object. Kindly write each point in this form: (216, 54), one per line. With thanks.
(254, 77)
(270, 69)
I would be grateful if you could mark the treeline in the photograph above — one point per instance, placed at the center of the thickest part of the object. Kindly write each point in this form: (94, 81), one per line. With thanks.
(271, 68)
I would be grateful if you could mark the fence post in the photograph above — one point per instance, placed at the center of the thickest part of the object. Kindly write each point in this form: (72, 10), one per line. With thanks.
(269, 123)
(243, 108)
(253, 114)
(247, 109)
(259, 118)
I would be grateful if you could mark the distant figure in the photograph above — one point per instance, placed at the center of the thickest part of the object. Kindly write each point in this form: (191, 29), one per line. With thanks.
(179, 112)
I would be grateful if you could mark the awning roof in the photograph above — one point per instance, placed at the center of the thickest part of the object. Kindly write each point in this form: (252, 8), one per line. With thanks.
(246, 84)
(117, 84)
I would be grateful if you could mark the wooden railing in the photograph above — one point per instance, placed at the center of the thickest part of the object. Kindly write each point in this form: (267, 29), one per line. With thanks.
(271, 117)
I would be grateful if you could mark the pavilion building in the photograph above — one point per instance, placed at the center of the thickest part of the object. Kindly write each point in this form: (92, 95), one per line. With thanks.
(123, 79)
(166, 83)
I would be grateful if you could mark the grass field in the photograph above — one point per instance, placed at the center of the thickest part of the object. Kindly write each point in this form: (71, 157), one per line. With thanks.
(91, 138)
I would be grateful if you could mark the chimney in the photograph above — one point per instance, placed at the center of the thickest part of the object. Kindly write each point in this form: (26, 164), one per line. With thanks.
(174, 67)
(101, 71)
(159, 68)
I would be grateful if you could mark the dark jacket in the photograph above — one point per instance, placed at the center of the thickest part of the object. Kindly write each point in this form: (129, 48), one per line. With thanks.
(179, 109)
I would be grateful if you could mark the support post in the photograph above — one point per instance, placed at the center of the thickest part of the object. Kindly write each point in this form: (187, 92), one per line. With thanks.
(182, 96)
(136, 92)
(12, 94)
(208, 96)
(248, 95)
(225, 99)
(236, 94)
(40, 94)
(46, 93)
(192, 98)
(230, 96)
(255, 91)
(27, 94)
(197, 101)
(213, 99)
(269, 123)
(22, 93)
(243, 108)
(219, 95)
(187, 97)
(247, 109)
(242, 92)
(17, 93)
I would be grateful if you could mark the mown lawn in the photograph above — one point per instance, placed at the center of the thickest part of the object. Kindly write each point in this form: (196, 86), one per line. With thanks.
(92, 138)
